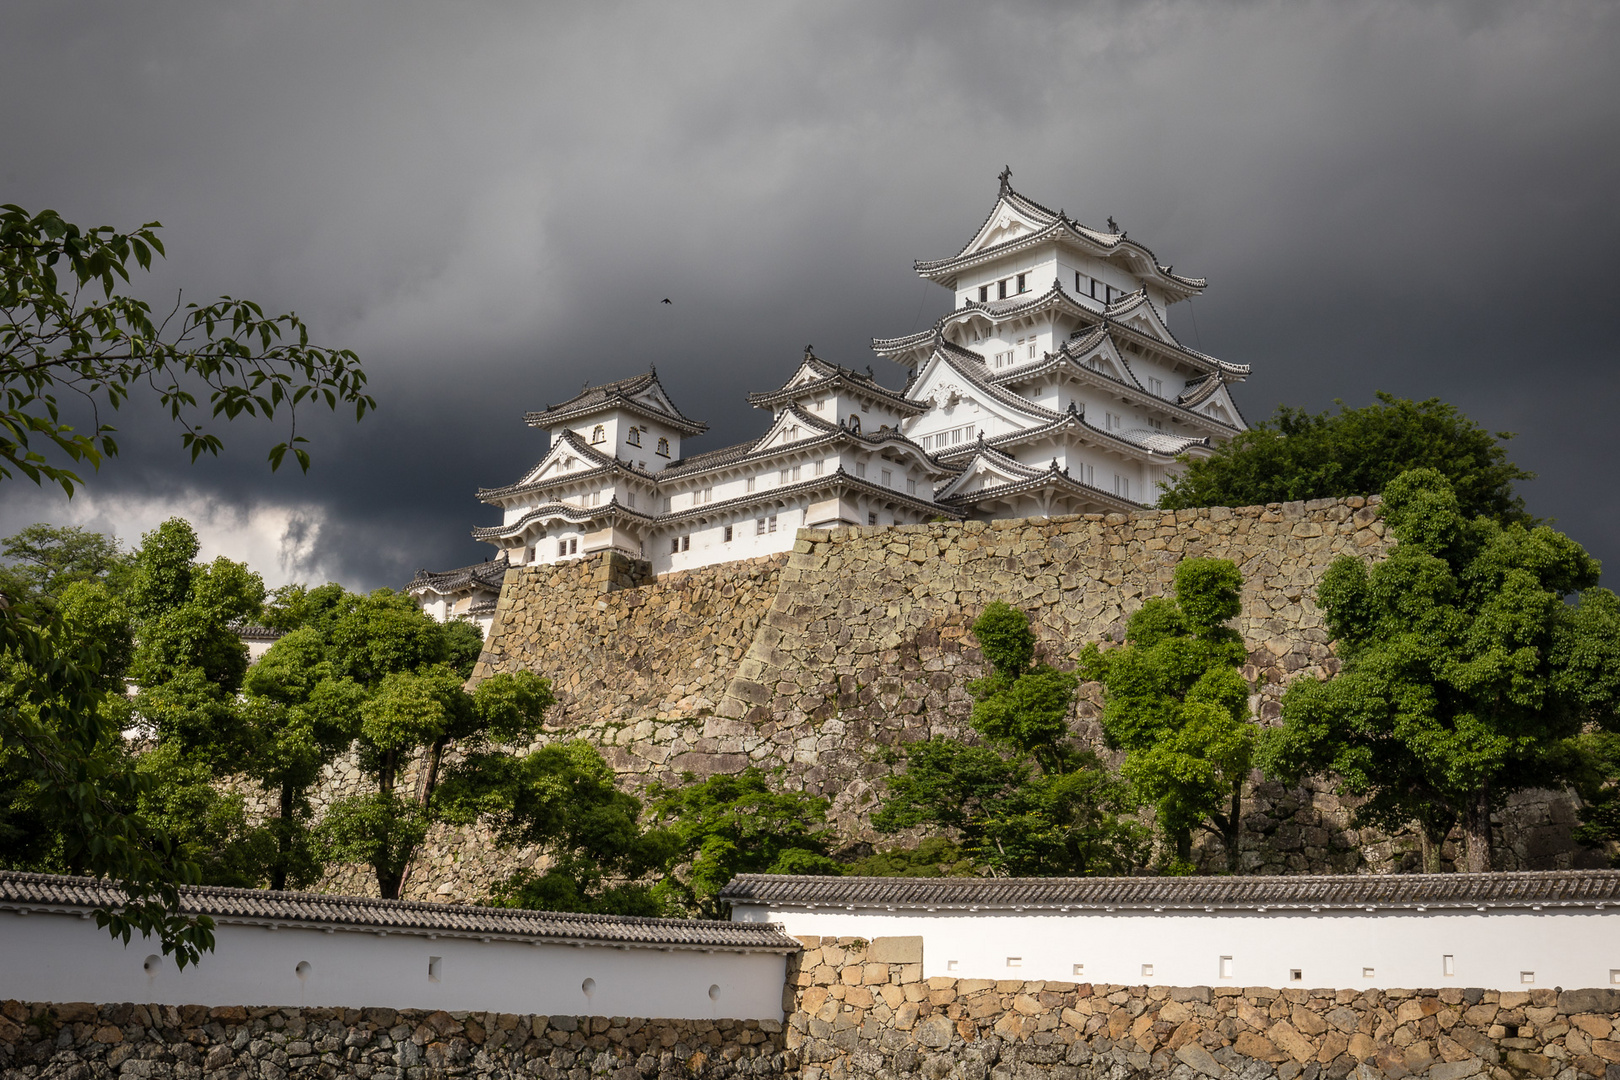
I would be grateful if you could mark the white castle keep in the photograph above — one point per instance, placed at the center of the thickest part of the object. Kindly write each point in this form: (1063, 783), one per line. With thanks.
(1054, 386)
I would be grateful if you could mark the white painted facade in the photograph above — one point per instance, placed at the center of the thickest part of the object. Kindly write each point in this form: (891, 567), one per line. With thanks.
(56, 953)
(1054, 386)
(1513, 949)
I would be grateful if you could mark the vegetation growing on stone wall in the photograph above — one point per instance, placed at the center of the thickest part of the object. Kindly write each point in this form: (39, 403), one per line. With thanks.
(1175, 702)
(1026, 801)
(1466, 670)
(1298, 455)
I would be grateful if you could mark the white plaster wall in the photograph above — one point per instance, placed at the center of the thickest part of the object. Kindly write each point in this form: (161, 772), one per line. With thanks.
(1403, 949)
(66, 958)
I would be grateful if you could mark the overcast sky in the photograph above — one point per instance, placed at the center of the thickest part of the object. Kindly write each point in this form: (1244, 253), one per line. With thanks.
(488, 201)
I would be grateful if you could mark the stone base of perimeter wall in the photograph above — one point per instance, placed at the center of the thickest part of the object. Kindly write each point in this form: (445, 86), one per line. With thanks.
(191, 1042)
(863, 1009)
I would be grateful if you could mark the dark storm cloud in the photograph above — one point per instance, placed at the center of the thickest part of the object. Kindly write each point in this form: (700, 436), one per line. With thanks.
(487, 201)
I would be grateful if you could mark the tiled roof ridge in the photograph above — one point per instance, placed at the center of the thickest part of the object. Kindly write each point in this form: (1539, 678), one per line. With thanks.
(963, 364)
(1527, 888)
(839, 477)
(20, 889)
(248, 631)
(477, 571)
(611, 394)
(858, 382)
(1049, 475)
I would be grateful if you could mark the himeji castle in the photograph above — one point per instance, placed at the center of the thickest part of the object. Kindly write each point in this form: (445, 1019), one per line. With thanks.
(1053, 386)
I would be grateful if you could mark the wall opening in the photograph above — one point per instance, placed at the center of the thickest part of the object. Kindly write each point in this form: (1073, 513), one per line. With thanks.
(152, 963)
(303, 969)
(1079, 969)
(1448, 965)
(1366, 973)
(1147, 969)
(714, 992)
(1226, 967)
(1015, 961)
(588, 986)
(1527, 976)
(1296, 975)
(1614, 976)
(950, 965)
(435, 968)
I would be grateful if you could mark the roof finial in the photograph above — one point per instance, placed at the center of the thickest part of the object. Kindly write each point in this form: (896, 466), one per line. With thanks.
(869, 373)
(1006, 179)
(1112, 226)
(809, 351)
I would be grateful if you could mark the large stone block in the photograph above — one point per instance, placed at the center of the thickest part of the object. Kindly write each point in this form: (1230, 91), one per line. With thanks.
(895, 950)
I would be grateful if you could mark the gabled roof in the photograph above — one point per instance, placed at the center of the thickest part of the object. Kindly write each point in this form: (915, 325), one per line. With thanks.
(81, 895)
(1538, 889)
(1050, 479)
(836, 480)
(612, 510)
(986, 458)
(1143, 440)
(972, 368)
(816, 376)
(642, 394)
(826, 435)
(1046, 226)
(486, 575)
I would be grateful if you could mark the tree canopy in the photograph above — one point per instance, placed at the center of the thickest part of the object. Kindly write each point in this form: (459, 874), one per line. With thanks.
(1300, 455)
(75, 331)
(1177, 705)
(1465, 671)
(1026, 800)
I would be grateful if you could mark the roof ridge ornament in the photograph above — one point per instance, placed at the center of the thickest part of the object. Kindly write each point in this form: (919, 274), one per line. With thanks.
(1006, 179)
(1113, 226)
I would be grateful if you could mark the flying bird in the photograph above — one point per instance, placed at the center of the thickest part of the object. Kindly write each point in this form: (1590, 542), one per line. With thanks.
(666, 300)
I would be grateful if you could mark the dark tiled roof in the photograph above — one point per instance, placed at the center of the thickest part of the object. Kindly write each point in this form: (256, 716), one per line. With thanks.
(1558, 888)
(616, 394)
(45, 892)
(833, 375)
(489, 575)
(254, 632)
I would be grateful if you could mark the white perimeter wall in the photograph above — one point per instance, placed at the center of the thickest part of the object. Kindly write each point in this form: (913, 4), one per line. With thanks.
(67, 958)
(1404, 949)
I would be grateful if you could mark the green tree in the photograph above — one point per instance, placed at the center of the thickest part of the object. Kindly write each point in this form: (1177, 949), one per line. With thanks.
(58, 336)
(561, 801)
(43, 560)
(739, 823)
(1175, 702)
(60, 743)
(82, 335)
(934, 856)
(1026, 801)
(1298, 455)
(1595, 770)
(1465, 670)
(298, 716)
(421, 713)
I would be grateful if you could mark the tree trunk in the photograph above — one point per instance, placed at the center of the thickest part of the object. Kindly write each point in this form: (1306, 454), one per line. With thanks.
(1184, 845)
(1477, 832)
(1232, 829)
(430, 771)
(388, 884)
(278, 872)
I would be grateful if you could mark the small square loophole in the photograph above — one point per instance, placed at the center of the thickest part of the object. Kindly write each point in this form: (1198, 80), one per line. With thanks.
(1527, 976)
(1366, 973)
(1296, 975)
(1614, 976)
(1147, 970)
(1079, 969)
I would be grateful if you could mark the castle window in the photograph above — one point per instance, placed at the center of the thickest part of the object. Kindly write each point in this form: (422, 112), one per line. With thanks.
(568, 547)
(860, 469)
(759, 526)
(1021, 286)
(1078, 278)
(770, 523)
(749, 484)
(911, 487)
(888, 478)
(871, 518)
(1031, 348)
(630, 498)
(728, 534)
(634, 437)
(599, 434)
(663, 448)
(818, 468)
(1122, 486)
(1001, 289)
(1156, 425)
(678, 544)
(855, 423)
(1155, 386)
(1004, 359)
(984, 294)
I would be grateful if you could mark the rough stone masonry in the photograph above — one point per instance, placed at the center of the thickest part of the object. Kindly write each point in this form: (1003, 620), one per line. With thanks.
(818, 661)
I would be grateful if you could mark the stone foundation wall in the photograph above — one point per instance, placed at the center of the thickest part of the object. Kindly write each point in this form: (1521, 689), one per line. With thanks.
(192, 1042)
(862, 1009)
(818, 661)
